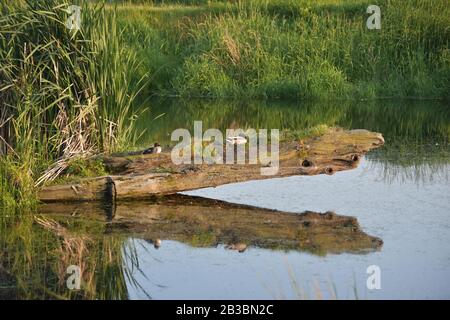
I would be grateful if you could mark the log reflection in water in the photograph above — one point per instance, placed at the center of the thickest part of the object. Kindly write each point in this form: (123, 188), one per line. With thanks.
(205, 222)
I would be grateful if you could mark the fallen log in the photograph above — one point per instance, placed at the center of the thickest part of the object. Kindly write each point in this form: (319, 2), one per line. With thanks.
(138, 177)
(205, 222)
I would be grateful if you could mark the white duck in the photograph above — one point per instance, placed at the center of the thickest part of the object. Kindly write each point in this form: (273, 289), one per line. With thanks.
(236, 140)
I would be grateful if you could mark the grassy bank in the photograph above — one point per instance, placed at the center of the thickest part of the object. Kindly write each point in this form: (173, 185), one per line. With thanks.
(290, 48)
(65, 94)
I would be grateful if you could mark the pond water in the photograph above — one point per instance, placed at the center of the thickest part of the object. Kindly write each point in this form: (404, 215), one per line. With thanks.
(399, 193)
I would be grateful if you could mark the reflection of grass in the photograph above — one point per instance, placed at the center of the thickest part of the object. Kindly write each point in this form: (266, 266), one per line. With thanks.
(397, 120)
(302, 290)
(36, 255)
(416, 162)
(411, 128)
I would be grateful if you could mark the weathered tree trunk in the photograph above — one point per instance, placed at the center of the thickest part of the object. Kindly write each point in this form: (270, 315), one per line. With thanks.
(205, 222)
(142, 176)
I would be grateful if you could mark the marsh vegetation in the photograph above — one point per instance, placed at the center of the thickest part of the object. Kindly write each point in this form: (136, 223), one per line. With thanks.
(68, 94)
(138, 69)
(291, 49)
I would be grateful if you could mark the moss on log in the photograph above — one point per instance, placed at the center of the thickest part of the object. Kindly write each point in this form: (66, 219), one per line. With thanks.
(138, 177)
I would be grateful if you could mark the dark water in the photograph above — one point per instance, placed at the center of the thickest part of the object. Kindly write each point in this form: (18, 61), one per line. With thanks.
(399, 193)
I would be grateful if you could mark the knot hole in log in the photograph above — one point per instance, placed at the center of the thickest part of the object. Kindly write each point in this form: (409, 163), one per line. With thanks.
(306, 163)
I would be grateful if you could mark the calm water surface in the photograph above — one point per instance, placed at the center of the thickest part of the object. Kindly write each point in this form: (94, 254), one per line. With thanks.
(400, 193)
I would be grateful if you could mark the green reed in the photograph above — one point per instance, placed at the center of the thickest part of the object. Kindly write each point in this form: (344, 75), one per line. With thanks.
(291, 48)
(63, 92)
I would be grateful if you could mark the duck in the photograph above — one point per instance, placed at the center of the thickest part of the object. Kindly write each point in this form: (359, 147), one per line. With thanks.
(236, 139)
(155, 149)
(240, 247)
(155, 242)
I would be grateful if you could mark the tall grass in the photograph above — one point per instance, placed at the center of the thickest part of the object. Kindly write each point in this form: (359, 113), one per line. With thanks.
(64, 93)
(292, 49)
